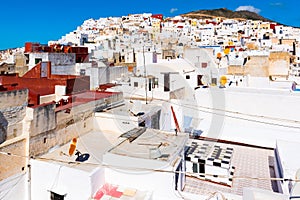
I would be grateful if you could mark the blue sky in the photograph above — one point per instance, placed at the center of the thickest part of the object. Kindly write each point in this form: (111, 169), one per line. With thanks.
(41, 21)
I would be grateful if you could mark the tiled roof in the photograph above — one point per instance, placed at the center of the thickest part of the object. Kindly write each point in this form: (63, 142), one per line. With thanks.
(249, 163)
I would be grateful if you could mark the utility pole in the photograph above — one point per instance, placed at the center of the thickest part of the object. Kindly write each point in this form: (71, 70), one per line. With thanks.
(198, 57)
(145, 74)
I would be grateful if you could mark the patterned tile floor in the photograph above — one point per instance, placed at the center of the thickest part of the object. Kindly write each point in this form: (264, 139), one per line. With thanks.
(248, 162)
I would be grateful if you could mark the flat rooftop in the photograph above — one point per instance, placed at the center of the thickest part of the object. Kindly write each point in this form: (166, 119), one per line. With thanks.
(150, 144)
(94, 143)
(249, 162)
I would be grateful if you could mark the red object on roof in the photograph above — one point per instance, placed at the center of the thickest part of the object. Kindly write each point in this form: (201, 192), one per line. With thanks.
(108, 189)
(175, 119)
(104, 87)
(157, 16)
(273, 25)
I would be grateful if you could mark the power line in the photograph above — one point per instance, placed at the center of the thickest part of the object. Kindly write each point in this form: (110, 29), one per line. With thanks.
(192, 174)
(200, 108)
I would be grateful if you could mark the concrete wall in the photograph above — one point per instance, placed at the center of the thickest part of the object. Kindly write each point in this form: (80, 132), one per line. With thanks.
(257, 66)
(177, 94)
(47, 98)
(11, 165)
(62, 128)
(74, 183)
(162, 184)
(276, 64)
(43, 119)
(117, 73)
(110, 122)
(149, 58)
(279, 64)
(12, 112)
(33, 56)
(280, 108)
(15, 187)
(62, 59)
(56, 59)
(98, 75)
(63, 70)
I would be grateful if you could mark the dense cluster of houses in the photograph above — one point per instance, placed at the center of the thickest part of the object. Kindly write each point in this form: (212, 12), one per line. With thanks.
(154, 108)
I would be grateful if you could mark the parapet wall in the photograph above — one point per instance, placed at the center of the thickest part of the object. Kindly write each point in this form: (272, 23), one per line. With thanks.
(11, 165)
(52, 128)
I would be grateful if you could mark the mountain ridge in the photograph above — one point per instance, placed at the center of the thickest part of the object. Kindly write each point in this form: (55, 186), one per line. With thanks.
(226, 13)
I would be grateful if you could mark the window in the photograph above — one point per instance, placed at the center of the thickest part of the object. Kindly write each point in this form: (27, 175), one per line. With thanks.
(55, 196)
(82, 72)
(214, 81)
(203, 65)
(15, 132)
(135, 84)
(155, 83)
(187, 77)
(27, 58)
(37, 60)
(166, 82)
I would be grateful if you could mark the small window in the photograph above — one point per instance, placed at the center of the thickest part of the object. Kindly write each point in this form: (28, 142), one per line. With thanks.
(214, 81)
(37, 60)
(187, 77)
(135, 84)
(82, 72)
(155, 82)
(55, 196)
(203, 65)
(15, 132)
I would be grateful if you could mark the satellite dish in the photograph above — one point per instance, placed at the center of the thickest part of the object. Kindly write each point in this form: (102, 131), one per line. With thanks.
(223, 80)
(72, 146)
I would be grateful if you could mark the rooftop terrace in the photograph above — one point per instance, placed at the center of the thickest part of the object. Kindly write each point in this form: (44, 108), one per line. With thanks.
(250, 164)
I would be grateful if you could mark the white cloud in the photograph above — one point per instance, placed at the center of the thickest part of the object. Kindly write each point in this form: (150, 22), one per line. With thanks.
(248, 8)
(276, 4)
(173, 10)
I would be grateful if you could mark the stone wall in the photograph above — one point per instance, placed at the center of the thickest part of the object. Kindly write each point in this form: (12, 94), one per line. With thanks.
(43, 119)
(61, 129)
(12, 111)
(49, 129)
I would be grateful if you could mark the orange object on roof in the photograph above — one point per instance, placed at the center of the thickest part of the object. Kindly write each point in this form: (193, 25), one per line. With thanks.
(72, 147)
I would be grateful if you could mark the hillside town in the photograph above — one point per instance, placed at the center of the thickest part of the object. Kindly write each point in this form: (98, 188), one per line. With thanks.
(145, 106)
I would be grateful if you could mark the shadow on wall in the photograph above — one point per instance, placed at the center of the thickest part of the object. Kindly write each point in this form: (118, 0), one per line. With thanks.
(3, 128)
